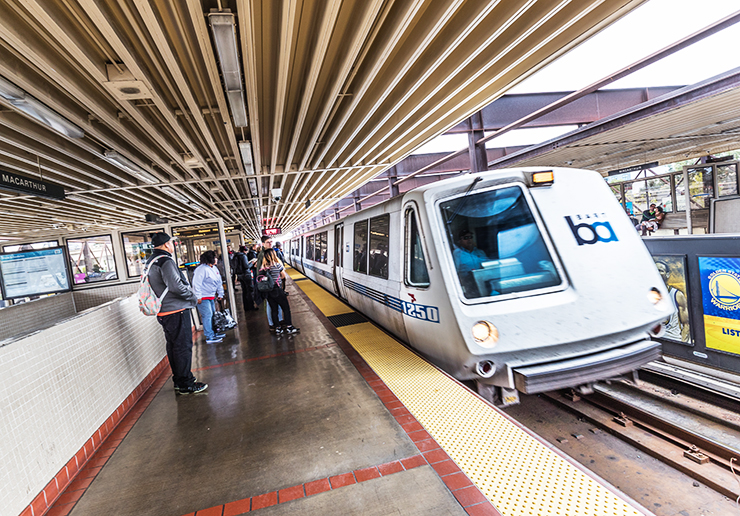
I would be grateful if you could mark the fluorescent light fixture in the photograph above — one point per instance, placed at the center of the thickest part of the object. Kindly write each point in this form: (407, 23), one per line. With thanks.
(245, 149)
(25, 103)
(253, 187)
(130, 167)
(224, 37)
(176, 195)
(196, 206)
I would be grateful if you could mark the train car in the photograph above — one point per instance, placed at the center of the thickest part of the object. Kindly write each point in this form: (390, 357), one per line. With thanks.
(520, 280)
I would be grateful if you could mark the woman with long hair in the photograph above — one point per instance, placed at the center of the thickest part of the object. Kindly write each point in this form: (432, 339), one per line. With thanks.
(208, 286)
(272, 267)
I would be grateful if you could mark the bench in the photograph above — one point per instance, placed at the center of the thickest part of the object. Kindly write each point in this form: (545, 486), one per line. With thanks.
(677, 220)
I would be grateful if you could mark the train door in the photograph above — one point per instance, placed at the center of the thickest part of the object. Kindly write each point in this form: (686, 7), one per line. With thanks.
(338, 259)
(418, 305)
(302, 252)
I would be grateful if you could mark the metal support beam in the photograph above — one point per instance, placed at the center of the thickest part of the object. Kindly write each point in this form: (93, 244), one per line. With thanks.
(392, 177)
(476, 151)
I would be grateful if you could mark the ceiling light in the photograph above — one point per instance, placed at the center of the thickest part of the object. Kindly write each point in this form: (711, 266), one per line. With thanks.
(224, 37)
(24, 102)
(253, 187)
(191, 161)
(130, 167)
(245, 149)
(176, 195)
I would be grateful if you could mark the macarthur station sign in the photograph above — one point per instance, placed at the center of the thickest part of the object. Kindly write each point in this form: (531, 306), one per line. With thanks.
(28, 185)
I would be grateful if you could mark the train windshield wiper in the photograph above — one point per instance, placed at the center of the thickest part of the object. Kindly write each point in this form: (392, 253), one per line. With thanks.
(463, 200)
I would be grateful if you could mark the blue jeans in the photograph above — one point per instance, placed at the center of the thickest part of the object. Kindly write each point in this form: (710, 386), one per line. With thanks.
(206, 309)
(270, 320)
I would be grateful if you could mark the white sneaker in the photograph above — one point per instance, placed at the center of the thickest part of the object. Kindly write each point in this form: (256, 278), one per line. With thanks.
(214, 341)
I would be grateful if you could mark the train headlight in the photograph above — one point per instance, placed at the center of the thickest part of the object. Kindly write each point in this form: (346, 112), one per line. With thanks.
(655, 296)
(485, 333)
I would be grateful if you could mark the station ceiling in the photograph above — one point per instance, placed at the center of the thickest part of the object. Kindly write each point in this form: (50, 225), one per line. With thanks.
(199, 108)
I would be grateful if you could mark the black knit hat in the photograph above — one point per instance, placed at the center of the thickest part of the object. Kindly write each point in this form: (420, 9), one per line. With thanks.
(159, 239)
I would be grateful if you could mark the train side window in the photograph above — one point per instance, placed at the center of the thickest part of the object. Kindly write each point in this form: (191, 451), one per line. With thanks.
(359, 263)
(379, 237)
(310, 247)
(417, 274)
(321, 247)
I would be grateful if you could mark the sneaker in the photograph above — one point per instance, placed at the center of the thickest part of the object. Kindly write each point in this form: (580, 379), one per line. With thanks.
(214, 341)
(273, 329)
(220, 335)
(291, 330)
(193, 389)
(279, 330)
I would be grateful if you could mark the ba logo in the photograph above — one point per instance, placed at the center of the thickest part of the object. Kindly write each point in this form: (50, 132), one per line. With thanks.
(591, 233)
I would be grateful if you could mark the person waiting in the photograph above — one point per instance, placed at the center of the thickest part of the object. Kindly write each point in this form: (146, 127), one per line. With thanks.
(208, 287)
(653, 224)
(272, 266)
(467, 258)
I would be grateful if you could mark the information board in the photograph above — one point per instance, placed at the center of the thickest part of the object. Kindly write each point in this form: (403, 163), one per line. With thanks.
(32, 273)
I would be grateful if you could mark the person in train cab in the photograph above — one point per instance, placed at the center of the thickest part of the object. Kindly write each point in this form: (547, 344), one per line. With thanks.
(208, 287)
(467, 258)
(272, 266)
(243, 272)
(677, 325)
(174, 314)
(379, 262)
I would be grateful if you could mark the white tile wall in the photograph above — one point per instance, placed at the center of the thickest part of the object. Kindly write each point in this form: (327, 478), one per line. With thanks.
(60, 385)
(41, 313)
(87, 298)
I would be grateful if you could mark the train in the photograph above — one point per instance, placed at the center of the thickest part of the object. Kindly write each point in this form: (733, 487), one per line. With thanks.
(519, 280)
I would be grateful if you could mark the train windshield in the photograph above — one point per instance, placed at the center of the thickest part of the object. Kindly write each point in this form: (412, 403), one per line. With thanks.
(496, 244)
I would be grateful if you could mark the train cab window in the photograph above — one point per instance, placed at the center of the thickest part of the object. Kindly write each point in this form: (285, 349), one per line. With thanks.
(359, 262)
(379, 238)
(496, 244)
(417, 274)
(309, 247)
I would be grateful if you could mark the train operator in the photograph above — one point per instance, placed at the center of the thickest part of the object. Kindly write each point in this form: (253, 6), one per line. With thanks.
(467, 259)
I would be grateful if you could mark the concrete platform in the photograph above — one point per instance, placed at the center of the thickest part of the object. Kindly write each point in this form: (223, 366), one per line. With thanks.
(288, 425)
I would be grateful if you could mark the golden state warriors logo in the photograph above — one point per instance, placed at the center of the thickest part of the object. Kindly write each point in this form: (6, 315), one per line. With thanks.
(724, 286)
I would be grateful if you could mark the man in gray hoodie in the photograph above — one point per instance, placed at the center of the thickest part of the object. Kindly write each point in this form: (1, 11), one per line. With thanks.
(174, 314)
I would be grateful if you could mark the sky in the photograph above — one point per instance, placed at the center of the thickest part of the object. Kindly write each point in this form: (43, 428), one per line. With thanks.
(647, 29)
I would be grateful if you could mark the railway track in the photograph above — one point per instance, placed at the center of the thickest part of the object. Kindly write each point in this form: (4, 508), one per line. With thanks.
(682, 428)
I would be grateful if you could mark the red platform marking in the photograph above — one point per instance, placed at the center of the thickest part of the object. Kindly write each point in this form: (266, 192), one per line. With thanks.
(317, 486)
(342, 480)
(238, 507)
(265, 500)
(390, 468)
(265, 357)
(213, 511)
(363, 475)
(413, 462)
(291, 493)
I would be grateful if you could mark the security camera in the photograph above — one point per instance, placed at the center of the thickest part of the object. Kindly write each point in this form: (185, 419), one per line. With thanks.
(277, 194)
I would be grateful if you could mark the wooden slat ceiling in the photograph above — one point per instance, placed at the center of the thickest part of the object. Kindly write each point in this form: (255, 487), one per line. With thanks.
(336, 92)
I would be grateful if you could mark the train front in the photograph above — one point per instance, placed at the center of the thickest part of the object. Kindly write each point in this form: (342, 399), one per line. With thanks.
(549, 281)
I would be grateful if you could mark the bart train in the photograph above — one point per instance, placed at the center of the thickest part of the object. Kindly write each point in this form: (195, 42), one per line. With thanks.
(520, 280)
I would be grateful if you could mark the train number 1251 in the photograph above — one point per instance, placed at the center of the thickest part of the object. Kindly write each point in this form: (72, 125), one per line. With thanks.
(425, 313)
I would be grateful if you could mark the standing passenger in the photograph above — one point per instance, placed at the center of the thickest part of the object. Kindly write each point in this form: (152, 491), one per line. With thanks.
(273, 267)
(208, 287)
(244, 274)
(272, 321)
(174, 315)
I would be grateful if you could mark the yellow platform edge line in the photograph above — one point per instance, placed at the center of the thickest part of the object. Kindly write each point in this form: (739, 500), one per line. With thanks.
(519, 474)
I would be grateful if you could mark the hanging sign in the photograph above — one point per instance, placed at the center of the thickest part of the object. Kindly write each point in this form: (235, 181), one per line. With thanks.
(271, 231)
(633, 168)
(28, 185)
(720, 292)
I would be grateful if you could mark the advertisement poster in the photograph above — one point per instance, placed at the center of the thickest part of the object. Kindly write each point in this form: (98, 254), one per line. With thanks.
(720, 292)
(673, 271)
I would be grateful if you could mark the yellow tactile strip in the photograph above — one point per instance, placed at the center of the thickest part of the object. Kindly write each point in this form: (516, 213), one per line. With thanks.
(517, 473)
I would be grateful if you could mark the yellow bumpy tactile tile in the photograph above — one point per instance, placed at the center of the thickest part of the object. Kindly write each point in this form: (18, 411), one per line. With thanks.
(518, 473)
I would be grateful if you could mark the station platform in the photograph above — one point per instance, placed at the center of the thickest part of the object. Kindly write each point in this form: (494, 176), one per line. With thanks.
(339, 419)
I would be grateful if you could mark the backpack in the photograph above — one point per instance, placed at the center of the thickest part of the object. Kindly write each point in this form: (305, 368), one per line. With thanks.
(265, 283)
(149, 303)
(218, 322)
(240, 267)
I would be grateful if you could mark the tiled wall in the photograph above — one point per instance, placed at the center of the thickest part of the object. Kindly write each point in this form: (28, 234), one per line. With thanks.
(88, 298)
(41, 313)
(61, 384)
